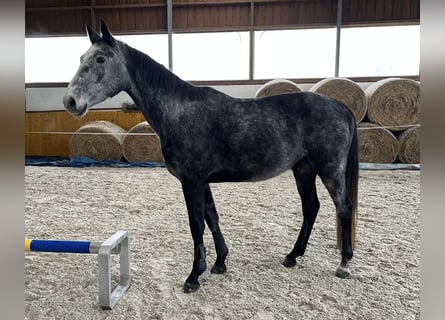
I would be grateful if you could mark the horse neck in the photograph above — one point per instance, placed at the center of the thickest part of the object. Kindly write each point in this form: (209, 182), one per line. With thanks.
(154, 89)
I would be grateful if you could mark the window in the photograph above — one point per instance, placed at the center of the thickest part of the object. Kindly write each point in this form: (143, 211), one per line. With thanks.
(380, 51)
(306, 53)
(53, 59)
(56, 59)
(155, 45)
(211, 56)
(302, 53)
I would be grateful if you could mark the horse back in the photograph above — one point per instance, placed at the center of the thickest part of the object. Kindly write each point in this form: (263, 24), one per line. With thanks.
(230, 139)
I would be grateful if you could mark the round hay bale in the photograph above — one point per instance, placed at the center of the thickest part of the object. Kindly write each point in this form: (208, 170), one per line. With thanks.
(142, 148)
(376, 144)
(345, 91)
(393, 103)
(409, 145)
(98, 140)
(277, 86)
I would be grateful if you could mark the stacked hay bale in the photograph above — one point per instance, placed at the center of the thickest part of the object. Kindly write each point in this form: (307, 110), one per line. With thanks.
(345, 91)
(104, 140)
(409, 145)
(376, 144)
(387, 114)
(97, 140)
(393, 104)
(277, 86)
(142, 144)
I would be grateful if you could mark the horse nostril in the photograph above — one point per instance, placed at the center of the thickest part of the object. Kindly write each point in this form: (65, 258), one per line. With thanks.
(69, 102)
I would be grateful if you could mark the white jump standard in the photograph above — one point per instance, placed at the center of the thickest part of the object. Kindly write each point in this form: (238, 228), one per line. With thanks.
(116, 244)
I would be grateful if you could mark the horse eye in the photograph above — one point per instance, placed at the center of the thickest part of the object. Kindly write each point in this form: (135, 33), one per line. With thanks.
(100, 59)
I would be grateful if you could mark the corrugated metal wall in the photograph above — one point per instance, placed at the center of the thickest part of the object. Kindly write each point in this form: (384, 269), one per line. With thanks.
(53, 17)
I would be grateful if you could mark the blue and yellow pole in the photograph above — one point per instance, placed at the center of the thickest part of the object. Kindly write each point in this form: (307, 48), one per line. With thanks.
(66, 246)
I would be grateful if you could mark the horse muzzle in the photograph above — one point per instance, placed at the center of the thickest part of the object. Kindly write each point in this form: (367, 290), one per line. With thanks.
(72, 106)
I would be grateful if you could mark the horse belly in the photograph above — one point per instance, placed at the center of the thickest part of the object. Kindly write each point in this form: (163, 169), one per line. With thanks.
(245, 168)
(242, 176)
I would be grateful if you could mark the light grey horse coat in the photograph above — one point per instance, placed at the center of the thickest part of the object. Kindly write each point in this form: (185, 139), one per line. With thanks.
(207, 136)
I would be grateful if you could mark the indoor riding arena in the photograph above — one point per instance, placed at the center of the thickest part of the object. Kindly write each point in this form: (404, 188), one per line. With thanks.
(146, 106)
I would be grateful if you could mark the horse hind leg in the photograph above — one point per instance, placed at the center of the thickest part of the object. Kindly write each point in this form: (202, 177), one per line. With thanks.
(212, 220)
(305, 179)
(336, 186)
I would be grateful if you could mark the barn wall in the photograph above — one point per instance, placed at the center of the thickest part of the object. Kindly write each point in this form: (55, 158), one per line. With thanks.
(68, 17)
(48, 133)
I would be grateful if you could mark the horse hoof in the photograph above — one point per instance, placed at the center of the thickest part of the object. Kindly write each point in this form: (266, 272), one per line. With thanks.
(289, 263)
(343, 273)
(219, 268)
(190, 287)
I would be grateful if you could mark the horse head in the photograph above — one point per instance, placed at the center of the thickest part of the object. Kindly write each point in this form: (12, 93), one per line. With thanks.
(101, 74)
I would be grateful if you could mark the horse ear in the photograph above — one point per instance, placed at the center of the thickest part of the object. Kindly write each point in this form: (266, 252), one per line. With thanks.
(106, 34)
(93, 35)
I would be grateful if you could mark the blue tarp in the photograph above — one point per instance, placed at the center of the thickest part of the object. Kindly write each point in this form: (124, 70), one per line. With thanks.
(86, 162)
(388, 166)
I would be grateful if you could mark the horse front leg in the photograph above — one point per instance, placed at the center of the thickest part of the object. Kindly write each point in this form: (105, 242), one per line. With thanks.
(212, 219)
(194, 199)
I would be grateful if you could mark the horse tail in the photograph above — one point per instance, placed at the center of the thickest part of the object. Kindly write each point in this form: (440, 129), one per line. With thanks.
(351, 177)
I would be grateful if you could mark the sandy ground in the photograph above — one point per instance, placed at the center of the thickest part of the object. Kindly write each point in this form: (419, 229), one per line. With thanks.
(260, 222)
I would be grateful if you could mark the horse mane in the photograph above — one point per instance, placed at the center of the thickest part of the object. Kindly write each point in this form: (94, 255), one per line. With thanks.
(156, 76)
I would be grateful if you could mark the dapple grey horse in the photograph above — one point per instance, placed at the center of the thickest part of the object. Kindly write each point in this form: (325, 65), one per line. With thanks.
(208, 137)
